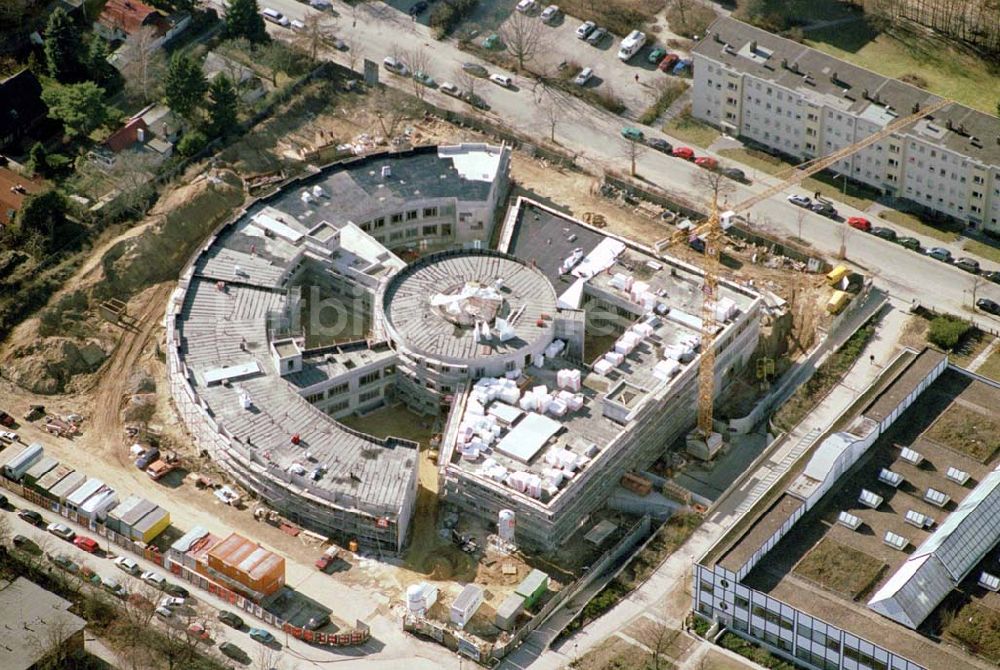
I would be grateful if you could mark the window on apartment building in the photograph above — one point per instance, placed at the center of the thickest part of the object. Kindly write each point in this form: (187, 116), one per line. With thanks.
(389, 370)
(933, 153)
(369, 395)
(395, 235)
(811, 132)
(430, 211)
(430, 230)
(411, 215)
(370, 378)
(446, 229)
(397, 218)
(412, 232)
(731, 86)
(314, 398)
(769, 92)
(961, 180)
(730, 101)
(976, 179)
(977, 194)
(810, 146)
(366, 226)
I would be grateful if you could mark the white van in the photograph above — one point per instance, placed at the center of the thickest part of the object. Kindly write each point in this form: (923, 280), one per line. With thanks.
(274, 16)
(631, 44)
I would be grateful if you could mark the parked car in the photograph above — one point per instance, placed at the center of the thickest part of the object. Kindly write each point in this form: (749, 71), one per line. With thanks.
(735, 174)
(668, 62)
(126, 564)
(884, 233)
(198, 631)
(475, 69)
(632, 134)
(89, 545)
(706, 162)
(175, 590)
(450, 89)
(992, 276)
(164, 613)
(422, 77)
(939, 254)
(153, 578)
(595, 38)
(687, 153)
(31, 516)
(824, 208)
(659, 145)
(147, 458)
(114, 587)
(395, 66)
(525, 6)
(295, 24)
(476, 100)
(261, 635)
(171, 602)
(34, 413)
(909, 242)
(550, 14)
(800, 201)
(502, 80)
(968, 264)
(418, 8)
(9, 436)
(6, 419)
(656, 55)
(4, 502)
(61, 531)
(585, 75)
(859, 222)
(234, 652)
(988, 306)
(274, 16)
(230, 619)
(22, 541)
(63, 562)
(585, 29)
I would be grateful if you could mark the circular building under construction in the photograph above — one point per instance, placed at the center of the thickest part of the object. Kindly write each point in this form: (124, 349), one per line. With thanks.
(462, 315)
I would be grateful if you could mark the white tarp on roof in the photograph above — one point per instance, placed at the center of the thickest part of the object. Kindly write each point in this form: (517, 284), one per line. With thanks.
(528, 437)
(599, 259)
(216, 375)
(475, 162)
(268, 220)
(572, 297)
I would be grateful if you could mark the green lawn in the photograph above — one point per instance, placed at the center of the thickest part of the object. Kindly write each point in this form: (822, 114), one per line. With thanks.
(840, 568)
(983, 250)
(946, 232)
(966, 431)
(689, 129)
(947, 71)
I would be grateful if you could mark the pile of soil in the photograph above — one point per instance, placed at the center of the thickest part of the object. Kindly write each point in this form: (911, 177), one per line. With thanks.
(48, 366)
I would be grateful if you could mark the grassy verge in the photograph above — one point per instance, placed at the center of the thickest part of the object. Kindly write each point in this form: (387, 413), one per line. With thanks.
(669, 537)
(944, 231)
(983, 250)
(618, 16)
(949, 72)
(671, 90)
(840, 568)
(689, 129)
(753, 652)
(603, 97)
(972, 344)
(823, 380)
(827, 185)
(991, 367)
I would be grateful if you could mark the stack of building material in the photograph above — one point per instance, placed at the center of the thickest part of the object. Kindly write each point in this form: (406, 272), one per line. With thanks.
(615, 358)
(622, 282)
(626, 343)
(557, 407)
(666, 369)
(555, 348)
(602, 367)
(636, 484)
(494, 470)
(568, 379)
(725, 309)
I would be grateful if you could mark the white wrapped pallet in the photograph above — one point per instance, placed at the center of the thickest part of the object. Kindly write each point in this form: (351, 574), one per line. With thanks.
(540, 390)
(614, 358)
(638, 288)
(509, 395)
(538, 360)
(470, 453)
(474, 408)
(624, 347)
(575, 403)
(553, 476)
(666, 369)
(513, 374)
(622, 282)
(603, 367)
(644, 329)
(556, 408)
(528, 402)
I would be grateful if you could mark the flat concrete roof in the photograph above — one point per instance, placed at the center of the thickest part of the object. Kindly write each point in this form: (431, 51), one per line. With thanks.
(37, 615)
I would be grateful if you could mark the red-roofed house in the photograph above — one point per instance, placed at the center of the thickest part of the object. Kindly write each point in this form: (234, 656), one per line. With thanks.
(126, 136)
(121, 18)
(14, 188)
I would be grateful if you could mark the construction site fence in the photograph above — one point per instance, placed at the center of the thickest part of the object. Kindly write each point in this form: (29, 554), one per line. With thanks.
(638, 533)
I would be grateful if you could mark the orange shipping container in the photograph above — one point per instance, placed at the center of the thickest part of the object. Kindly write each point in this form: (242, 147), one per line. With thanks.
(249, 564)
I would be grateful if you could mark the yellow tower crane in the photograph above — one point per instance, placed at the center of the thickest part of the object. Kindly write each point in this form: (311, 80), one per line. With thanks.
(711, 232)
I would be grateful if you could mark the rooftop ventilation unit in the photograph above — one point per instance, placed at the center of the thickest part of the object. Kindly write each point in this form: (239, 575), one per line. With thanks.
(935, 497)
(915, 518)
(386, 171)
(957, 476)
(910, 456)
(870, 499)
(989, 582)
(848, 520)
(897, 542)
(893, 479)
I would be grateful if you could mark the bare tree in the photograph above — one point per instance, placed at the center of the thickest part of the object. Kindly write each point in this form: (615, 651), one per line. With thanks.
(417, 60)
(266, 657)
(552, 111)
(352, 51)
(318, 29)
(657, 637)
(5, 532)
(47, 640)
(466, 81)
(714, 183)
(144, 65)
(521, 35)
(799, 218)
(392, 108)
(632, 150)
(977, 282)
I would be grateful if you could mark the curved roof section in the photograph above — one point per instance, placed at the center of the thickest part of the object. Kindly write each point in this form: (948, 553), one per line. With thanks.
(422, 328)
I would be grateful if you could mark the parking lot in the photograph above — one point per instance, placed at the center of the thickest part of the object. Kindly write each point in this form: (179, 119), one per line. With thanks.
(558, 43)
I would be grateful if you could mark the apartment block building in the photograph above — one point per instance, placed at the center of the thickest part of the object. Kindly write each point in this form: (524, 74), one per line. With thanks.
(805, 104)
